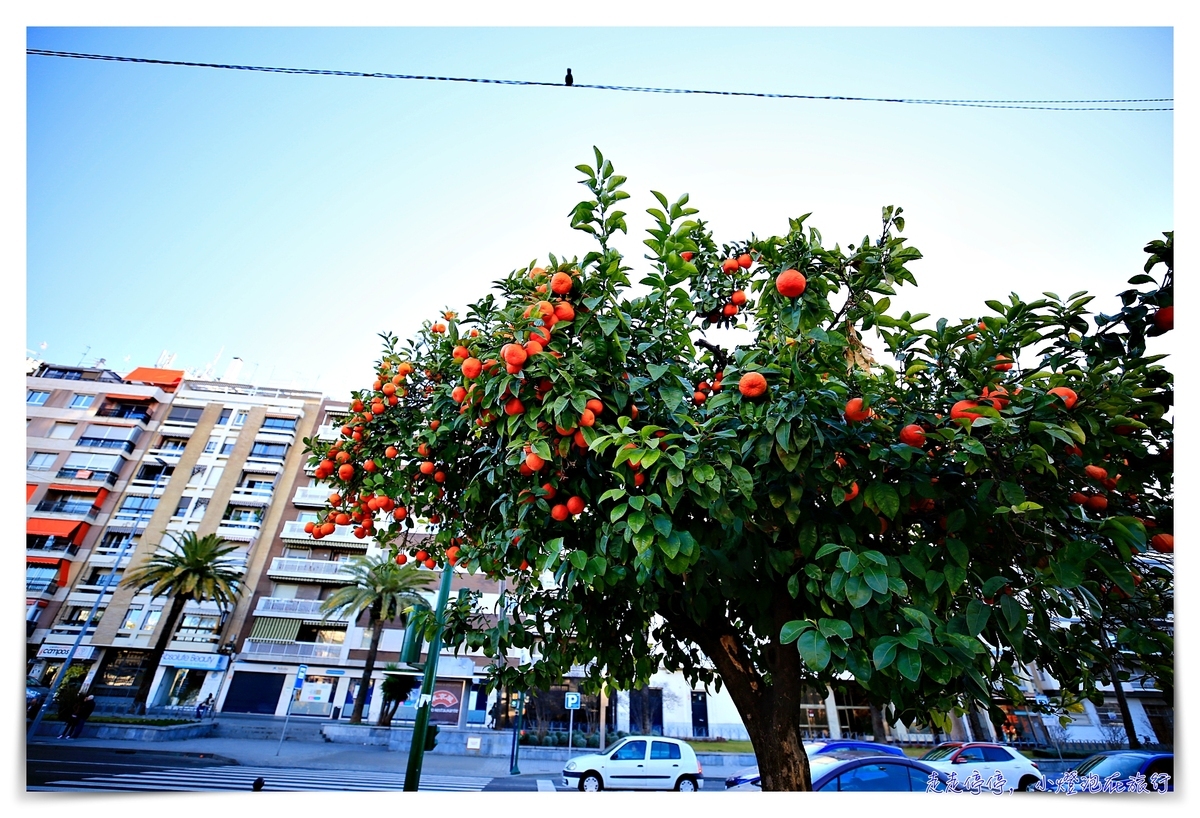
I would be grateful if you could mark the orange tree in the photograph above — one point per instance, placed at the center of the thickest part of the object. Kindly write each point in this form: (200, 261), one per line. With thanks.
(779, 514)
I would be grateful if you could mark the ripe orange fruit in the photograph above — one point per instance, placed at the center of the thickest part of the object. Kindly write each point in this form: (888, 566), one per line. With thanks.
(1068, 395)
(998, 397)
(533, 347)
(1095, 472)
(345, 471)
(752, 385)
(738, 297)
(1003, 364)
(400, 513)
(560, 283)
(461, 351)
(596, 406)
(730, 310)
(439, 477)
(963, 408)
(428, 467)
(575, 505)
(699, 397)
(729, 266)
(471, 368)
(560, 512)
(1078, 497)
(913, 435)
(579, 439)
(791, 283)
(458, 394)
(687, 255)
(514, 354)
(534, 462)
(856, 412)
(449, 316)
(1097, 502)
(744, 261)
(434, 424)
(853, 492)
(1163, 543)
(587, 418)
(438, 328)
(1164, 318)
(563, 311)
(514, 407)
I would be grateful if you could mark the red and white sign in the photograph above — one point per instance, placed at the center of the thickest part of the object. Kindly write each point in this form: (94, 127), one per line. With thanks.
(444, 698)
(446, 702)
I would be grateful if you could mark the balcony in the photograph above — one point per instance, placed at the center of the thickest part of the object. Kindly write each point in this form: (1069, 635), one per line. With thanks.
(311, 570)
(311, 497)
(107, 558)
(194, 635)
(40, 586)
(271, 465)
(129, 520)
(68, 507)
(176, 431)
(243, 496)
(342, 537)
(239, 530)
(56, 546)
(109, 477)
(139, 413)
(253, 649)
(329, 433)
(293, 608)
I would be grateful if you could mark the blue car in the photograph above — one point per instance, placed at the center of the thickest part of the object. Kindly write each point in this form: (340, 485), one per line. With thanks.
(864, 771)
(819, 747)
(1115, 767)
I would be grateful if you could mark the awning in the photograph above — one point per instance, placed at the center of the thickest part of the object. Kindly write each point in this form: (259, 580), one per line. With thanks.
(331, 624)
(155, 376)
(30, 488)
(44, 560)
(275, 629)
(75, 489)
(51, 528)
(64, 567)
(81, 533)
(128, 397)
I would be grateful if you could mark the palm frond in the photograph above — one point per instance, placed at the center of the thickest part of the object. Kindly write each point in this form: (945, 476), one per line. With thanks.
(378, 583)
(199, 568)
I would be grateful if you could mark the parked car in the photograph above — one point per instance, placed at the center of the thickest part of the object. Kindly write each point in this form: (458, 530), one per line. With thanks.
(815, 748)
(35, 696)
(987, 759)
(862, 771)
(637, 763)
(1122, 763)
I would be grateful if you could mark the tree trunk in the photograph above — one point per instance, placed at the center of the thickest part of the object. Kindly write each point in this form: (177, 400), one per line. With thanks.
(771, 713)
(364, 682)
(877, 725)
(156, 653)
(1123, 706)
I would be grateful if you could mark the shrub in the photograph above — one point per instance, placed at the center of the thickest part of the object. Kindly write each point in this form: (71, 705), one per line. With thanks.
(593, 740)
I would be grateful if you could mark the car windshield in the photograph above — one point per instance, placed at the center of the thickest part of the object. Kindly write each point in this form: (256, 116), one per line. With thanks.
(1104, 766)
(813, 746)
(612, 748)
(938, 753)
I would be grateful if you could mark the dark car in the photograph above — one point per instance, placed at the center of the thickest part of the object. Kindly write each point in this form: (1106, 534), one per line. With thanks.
(818, 747)
(1116, 767)
(864, 771)
(35, 696)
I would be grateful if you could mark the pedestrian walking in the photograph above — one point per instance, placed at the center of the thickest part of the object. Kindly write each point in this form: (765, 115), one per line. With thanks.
(204, 706)
(82, 712)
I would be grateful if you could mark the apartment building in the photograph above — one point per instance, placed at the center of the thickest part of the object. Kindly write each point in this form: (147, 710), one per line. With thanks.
(87, 432)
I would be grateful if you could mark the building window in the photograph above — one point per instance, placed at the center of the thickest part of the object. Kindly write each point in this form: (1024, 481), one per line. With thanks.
(240, 418)
(280, 424)
(132, 618)
(82, 401)
(152, 471)
(211, 445)
(62, 431)
(227, 448)
(171, 444)
(41, 461)
(243, 515)
(225, 413)
(35, 397)
(134, 503)
(41, 578)
(182, 509)
(185, 414)
(77, 616)
(97, 463)
(152, 619)
(110, 437)
(276, 451)
(64, 374)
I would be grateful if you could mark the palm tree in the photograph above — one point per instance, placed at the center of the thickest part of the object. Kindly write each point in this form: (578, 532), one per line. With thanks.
(383, 588)
(192, 568)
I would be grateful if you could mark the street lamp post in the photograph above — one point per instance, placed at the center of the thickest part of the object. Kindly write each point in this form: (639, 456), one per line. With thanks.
(62, 672)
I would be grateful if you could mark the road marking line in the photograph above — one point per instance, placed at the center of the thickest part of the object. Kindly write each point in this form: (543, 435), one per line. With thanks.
(545, 785)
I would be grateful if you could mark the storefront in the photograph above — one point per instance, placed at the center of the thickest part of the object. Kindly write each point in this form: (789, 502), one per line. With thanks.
(188, 677)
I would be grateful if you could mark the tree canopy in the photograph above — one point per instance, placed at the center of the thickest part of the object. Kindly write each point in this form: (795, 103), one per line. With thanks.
(781, 512)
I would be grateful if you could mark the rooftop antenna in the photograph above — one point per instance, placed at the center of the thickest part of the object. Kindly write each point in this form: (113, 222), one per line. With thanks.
(83, 357)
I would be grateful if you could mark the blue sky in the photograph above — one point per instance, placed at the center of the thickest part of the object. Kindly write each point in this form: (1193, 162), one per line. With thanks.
(287, 220)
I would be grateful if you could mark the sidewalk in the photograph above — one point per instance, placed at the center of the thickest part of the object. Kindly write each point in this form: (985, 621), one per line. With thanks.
(319, 755)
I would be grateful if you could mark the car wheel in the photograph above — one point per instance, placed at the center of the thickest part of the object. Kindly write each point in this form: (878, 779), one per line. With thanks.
(591, 782)
(685, 784)
(1027, 784)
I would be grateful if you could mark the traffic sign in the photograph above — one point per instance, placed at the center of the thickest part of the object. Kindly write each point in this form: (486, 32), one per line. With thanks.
(572, 702)
(301, 672)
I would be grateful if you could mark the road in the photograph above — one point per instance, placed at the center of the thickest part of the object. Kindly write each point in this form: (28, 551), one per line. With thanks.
(66, 768)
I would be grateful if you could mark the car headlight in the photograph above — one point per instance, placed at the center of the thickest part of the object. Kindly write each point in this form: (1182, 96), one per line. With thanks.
(570, 765)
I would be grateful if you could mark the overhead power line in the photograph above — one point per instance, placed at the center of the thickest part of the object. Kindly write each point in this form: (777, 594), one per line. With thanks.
(1026, 104)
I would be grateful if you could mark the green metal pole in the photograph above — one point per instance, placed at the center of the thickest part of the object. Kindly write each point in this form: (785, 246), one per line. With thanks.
(416, 753)
(515, 770)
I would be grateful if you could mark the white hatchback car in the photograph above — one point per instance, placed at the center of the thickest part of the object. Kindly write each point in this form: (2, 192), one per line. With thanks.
(986, 759)
(637, 763)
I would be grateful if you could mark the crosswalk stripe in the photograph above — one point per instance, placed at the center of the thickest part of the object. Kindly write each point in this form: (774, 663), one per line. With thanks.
(202, 779)
(545, 785)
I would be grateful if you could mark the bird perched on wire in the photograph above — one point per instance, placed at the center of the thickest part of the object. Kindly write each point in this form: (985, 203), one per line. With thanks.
(569, 80)
(258, 784)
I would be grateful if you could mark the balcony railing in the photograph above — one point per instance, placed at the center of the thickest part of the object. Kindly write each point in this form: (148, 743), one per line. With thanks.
(342, 536)
(305, 608)
(329, 432)
(125, 412)
(299, 650)
(68, 507)
(58, 547)
(243, 496)
(40, 586)
(105, 443)
(195, 635)
(311, 497)
(109, 477)
(319, 569)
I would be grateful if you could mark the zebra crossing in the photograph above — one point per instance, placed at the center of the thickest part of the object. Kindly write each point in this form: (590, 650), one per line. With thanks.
(237, 778)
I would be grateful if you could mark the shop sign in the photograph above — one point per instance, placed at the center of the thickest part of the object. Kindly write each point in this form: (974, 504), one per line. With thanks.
(61, 651)
(199, 661)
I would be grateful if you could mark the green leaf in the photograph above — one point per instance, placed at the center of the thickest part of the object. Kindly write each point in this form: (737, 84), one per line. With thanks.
(934, 580)
(793, 585)
(578, 559)
(958, 551)
(884, 653)
(909, 664)
(827, 548)
(1012, 493)
(1014, 614)
(657, 371)
(814, 648)
(836, 627)
(618, 512)
(955, 577)
(662, 524)
(848, 560)
(858, 593)
(876, 579)
(636, 520)
(977, 616)
(887, 500)
(745, 482)
(791, 630)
